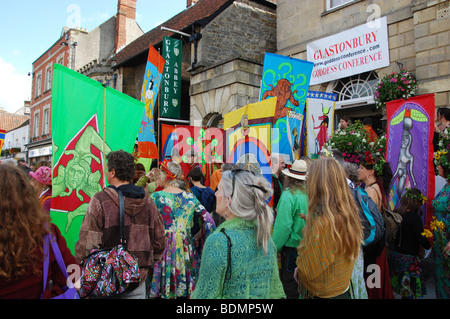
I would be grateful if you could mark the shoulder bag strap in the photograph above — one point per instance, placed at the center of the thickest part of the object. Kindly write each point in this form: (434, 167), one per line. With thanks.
(123, 240)
(50, 241)
(228, 270)
(46, 262)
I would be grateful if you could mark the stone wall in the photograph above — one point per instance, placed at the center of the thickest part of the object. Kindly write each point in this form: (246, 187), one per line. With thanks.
(224, 88)
(230, 58)
(432, 49)
(245, 29)
(418, 30)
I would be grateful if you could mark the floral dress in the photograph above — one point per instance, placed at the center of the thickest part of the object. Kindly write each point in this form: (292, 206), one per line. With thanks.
(183, 215)
(441, 210)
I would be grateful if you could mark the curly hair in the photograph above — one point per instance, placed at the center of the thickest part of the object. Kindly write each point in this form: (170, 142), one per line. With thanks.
(22, 224)
(122, 163)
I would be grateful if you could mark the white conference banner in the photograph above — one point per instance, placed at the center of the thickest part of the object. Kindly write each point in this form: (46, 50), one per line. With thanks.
(354, 51)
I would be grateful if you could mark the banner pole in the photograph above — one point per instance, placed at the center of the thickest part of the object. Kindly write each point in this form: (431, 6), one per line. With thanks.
(157, 110)
(104, 134)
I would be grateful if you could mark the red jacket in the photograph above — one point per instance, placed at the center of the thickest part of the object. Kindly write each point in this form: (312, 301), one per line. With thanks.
(30, 285)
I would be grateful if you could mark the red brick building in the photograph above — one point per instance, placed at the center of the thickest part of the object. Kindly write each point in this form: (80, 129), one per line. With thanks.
(82, 51)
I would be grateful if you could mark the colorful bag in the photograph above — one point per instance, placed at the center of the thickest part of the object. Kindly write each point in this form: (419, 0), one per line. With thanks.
(69, 291)
(110, 272)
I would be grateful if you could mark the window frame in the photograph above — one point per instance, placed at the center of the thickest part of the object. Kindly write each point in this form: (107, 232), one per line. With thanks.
(48, 78)
(38, 85)
(45, 120)
(36, 123)
(330, 7)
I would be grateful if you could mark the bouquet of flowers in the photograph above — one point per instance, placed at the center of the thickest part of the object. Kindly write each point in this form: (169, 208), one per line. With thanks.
(437, 232)
(394, 86)
(377, 151)
(352, 142)
(440, 155)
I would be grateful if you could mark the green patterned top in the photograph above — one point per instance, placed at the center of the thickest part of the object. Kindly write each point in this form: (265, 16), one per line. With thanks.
(254, 275)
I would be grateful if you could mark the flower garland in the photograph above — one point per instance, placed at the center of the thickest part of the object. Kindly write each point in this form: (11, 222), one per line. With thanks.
(440, 156)
(421, 198)
(394, 86)
(169, 175)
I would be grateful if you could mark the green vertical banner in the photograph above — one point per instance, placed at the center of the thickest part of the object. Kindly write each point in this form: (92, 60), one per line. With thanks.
(171, 83)
(88, 121)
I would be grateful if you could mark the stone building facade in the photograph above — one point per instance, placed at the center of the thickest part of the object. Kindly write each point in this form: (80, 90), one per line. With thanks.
(222, 56)
(418, 33)
(230, 60)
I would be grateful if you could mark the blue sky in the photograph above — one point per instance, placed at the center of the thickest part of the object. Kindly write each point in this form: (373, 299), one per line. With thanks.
(29, 27)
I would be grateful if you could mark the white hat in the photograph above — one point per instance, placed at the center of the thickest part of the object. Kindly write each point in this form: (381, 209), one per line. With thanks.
(298, 170)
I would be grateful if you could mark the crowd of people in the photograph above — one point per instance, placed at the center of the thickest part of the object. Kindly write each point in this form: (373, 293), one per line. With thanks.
(239, 236)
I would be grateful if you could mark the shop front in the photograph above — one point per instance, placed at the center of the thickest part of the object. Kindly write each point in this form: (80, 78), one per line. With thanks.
(39, 153)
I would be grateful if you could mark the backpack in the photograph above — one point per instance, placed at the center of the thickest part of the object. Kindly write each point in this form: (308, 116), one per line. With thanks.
(206, 197)
(371, 218)
(392, 221)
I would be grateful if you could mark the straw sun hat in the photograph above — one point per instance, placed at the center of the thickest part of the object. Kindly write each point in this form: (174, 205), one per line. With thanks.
(298, 170)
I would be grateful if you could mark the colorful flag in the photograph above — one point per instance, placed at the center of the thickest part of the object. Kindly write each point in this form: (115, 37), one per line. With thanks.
(171, 84)
(409, 145)
(168, 138)
(319, 120)
(287, 79)
(248, 136)
(2, 138)
(88, 121)
(147, 148)
(287, 136)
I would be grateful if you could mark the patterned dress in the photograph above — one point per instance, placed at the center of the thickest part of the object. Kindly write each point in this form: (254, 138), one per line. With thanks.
(441, 210)
(183, 215)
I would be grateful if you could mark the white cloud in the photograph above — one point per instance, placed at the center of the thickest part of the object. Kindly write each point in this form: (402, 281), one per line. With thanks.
(15, 88)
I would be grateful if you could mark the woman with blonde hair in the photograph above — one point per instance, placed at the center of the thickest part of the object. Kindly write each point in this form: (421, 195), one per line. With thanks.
(332, 236)
(239, 259)
(187, 225)
(23, 227)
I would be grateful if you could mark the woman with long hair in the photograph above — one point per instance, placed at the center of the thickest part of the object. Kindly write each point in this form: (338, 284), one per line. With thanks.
(23, 226)
(239, 259)
(187, 225)
(376, 175)
(332, 236)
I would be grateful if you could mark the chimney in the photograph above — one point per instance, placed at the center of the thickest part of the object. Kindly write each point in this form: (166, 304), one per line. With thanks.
(191, 2)
(126, 9)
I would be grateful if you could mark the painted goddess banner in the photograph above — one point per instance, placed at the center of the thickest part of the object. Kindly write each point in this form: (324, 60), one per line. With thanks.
(354, 51)
(319, 120)
(410, 128)
(88, 121)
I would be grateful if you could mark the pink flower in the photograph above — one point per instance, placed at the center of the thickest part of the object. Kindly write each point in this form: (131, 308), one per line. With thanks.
(394, 80)
(349, 143)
